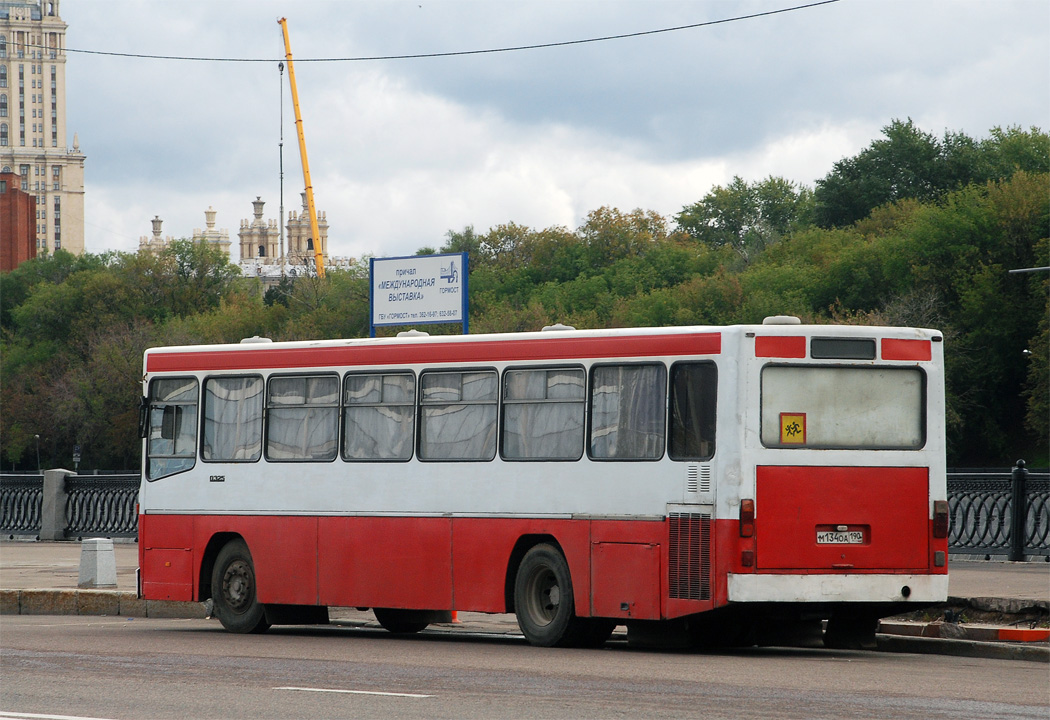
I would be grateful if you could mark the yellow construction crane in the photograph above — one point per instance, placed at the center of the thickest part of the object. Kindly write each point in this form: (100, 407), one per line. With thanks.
(310, 207)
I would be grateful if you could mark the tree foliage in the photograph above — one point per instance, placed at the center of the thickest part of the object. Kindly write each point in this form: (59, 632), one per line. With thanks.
(924, 233)
(909, 163)
(748, 217)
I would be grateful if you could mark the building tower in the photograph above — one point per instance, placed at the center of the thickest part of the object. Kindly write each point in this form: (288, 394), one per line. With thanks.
(155, 243)
(300, 242)
(259, 238)
(33, 121)
(216, 238)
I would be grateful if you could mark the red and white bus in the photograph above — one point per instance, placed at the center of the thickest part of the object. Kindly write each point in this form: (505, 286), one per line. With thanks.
(715, 480)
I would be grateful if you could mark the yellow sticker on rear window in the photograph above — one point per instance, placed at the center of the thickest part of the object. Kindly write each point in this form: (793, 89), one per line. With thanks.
(793, 428)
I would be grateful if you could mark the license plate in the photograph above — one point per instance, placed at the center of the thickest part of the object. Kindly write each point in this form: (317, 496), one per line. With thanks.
(838, 537)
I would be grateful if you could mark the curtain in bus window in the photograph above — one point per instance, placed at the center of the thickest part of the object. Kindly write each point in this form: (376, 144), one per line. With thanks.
(172, 426)
(233, 419)
(379, 414)
(303, 418)
(458, 416)
(693, 391)
(543, 414)
(627, 411)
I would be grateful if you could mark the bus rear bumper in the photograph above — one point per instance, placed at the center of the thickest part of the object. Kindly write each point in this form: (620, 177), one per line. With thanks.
(838, 588)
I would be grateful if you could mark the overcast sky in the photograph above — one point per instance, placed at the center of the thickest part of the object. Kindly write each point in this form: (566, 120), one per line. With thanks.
(403, 150)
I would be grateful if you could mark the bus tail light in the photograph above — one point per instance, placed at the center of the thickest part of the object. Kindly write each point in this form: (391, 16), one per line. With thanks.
(940, 518)
(747, 518)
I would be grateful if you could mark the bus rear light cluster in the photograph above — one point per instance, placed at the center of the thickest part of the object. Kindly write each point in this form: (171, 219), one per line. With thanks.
(940, 518)
(747, 518)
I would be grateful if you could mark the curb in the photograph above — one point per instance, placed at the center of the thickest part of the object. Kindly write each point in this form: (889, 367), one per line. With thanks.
(961, 648)
(94, 602)
(958, 631)
(116, 603)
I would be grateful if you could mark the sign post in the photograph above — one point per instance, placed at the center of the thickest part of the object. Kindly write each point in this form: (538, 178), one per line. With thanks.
(417, 290)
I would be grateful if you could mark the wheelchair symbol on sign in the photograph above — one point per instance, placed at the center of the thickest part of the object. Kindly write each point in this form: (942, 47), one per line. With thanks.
(450, 273)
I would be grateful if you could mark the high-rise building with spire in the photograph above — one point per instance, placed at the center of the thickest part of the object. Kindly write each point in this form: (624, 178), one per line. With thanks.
(33, 121)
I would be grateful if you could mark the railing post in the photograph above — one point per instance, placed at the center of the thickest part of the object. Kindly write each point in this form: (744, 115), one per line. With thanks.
(53, 505)
(1019, 514)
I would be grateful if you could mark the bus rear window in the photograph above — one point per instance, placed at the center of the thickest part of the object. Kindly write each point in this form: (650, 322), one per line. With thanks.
(877, 408)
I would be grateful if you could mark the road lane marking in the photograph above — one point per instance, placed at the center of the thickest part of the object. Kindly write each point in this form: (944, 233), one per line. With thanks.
(34, 716)
(355, 692)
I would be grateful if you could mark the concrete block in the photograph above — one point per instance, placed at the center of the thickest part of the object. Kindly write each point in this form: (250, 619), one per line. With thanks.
(98, 602)
(49, 602)
(131, 605)
(174, 609)
(9, 602)
(98, 564)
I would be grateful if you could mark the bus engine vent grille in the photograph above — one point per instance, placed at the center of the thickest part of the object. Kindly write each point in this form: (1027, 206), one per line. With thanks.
(698, 478)
(689, 551)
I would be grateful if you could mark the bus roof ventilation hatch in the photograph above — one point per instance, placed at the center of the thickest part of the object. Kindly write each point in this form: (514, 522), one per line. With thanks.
(557, 327)
(413, 333)
(781, 320)
(255, 339)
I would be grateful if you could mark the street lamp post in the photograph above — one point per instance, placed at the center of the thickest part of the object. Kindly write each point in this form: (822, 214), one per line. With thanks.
(37, 438)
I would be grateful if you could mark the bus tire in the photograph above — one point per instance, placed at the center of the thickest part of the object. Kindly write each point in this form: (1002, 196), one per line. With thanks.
(233, 590)
(400, 621)
(543, 599)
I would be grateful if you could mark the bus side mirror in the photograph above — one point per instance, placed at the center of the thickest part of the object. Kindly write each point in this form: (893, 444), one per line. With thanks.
(143, 417)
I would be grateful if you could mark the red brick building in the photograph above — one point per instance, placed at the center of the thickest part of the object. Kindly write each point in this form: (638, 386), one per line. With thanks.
(17, 223)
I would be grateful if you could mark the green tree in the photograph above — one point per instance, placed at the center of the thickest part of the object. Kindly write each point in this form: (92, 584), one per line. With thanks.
(906, 163)
(748, 217)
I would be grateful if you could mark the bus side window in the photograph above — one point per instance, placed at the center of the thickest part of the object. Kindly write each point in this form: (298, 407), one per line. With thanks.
(628, 411)
(302, 418)
(458, 415)
(172, 427)
(379, 416)
(170, 422)
(233, 414)
(693, 391)
(543, 413)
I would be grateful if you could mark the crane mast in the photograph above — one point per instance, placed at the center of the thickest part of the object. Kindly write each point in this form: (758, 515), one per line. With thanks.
(310, 208)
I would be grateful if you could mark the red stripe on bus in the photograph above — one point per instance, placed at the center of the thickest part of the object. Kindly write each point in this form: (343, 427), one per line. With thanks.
(452, 352)
(896, 349)
(780, 346)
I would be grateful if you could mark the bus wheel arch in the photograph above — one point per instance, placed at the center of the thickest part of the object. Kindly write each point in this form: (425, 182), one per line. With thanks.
(233, 586)
(544, 602)
(207, 566)
(521, 547)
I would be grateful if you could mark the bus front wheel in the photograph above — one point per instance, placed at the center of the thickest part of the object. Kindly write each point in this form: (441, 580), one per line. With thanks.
(543, 600)
(233, 590)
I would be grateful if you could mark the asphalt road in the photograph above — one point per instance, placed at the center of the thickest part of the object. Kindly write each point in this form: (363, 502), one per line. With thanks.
(119, 668)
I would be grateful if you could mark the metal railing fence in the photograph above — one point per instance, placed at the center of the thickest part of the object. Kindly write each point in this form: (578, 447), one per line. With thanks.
(982, 517)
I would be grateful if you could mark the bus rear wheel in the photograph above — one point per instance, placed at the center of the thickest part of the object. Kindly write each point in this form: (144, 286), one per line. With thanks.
(544, 604)
(234, 591)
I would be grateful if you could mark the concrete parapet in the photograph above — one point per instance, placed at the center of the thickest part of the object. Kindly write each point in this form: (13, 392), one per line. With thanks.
(53, 505)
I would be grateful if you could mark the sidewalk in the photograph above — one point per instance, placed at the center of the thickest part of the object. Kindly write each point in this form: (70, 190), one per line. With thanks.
(995, 601)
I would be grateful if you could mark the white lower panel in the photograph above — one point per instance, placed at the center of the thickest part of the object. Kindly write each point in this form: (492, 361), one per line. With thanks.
(837, 588)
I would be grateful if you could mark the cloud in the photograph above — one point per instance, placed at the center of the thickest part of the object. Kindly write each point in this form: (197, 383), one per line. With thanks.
(403, 150)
